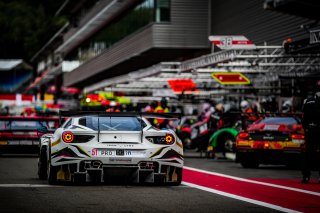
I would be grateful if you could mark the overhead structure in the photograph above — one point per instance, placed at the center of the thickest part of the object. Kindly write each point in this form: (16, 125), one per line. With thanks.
(262, 66)
(15, 73)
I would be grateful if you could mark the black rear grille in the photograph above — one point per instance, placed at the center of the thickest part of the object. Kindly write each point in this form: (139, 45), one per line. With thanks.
(270, 136)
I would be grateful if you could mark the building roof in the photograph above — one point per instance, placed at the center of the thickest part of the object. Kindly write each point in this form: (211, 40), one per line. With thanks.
(9, 64)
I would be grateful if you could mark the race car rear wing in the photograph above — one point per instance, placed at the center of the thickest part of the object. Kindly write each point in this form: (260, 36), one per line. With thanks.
(63, 113)
(247, 118)
(29, 118)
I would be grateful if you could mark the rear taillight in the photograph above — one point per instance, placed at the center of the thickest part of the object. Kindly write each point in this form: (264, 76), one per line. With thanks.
(67, 137)
(168, 139)
(243, 135)
(297, 138)
(6, 134)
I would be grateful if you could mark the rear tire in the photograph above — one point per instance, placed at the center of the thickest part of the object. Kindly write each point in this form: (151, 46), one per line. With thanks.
(52, 174)
(229, 145)
(226, 144)
(51, 170)
(42, 164)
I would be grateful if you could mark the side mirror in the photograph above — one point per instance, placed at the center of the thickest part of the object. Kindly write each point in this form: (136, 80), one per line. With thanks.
(43, 129)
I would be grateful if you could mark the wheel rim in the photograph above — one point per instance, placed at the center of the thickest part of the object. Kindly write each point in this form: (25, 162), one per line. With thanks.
(228, 145)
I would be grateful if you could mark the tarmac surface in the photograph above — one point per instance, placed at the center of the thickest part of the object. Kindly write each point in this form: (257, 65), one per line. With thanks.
(209, 185)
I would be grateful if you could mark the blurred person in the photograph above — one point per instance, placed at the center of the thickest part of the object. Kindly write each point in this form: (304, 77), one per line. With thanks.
(205, 126)
(219, 108)
(113, 109)
(286, 106)
(272, 104)
(248, 114)
(151, 107)
(256, 107)
(207, 110)
(245, 107)
(264, 105)
(311, 125)
(217, 121)
(161, 108)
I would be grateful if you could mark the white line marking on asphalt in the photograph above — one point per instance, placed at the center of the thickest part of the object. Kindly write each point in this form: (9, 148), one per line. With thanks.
(25, 185)
(260, 203)
(253, 181)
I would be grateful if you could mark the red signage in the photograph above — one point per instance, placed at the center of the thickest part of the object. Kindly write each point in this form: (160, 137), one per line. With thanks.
(182, 85)
(232, 42)
(230, 78)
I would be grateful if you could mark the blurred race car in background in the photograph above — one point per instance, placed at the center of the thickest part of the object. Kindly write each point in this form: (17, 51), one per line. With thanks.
(271, 140)
(183, 130)
(107, 147)
(19, 133)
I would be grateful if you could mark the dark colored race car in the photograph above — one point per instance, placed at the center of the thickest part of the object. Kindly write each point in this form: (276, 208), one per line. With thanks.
(183, 130)
(271, 140)
(19, 133)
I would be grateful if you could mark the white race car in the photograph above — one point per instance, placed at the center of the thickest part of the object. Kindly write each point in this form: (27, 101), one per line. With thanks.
(106, 147)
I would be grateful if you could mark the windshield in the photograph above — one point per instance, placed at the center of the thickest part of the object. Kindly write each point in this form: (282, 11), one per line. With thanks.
(112, 123)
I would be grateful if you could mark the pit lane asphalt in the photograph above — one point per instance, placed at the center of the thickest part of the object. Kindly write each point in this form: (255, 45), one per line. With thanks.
(28, 194)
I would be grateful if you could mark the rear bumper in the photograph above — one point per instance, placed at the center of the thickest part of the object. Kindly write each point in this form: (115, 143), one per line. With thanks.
(269, 156)
(95, 171)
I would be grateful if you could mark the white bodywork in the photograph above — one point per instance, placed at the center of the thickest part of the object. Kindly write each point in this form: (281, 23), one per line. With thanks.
(109, 152)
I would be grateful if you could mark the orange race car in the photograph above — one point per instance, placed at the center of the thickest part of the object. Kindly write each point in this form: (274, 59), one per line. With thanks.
(271, 140)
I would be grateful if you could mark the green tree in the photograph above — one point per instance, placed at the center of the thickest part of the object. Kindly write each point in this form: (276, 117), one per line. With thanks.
(26, 25)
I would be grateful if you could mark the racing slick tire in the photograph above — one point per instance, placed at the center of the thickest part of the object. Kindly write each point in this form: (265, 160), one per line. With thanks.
(52, 174)
(42, 164)
(229, 145)
(51, 170)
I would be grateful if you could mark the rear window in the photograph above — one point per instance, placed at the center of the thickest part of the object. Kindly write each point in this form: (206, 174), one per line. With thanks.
(22, 125)
(280, 120)
(112, 123)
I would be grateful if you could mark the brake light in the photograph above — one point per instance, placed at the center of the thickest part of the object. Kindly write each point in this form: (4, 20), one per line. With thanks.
(297, 138)
(243, 135)
(67, 137)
